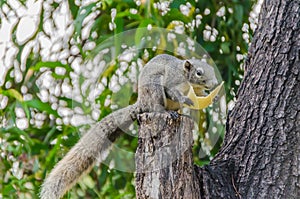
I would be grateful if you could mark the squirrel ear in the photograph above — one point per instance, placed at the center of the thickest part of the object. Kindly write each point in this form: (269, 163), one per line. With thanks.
(187, 65)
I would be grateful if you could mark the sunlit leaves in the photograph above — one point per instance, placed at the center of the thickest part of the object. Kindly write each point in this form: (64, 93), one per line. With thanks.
(12, 93)
(51, 65)
(41, 106)
(175, 14)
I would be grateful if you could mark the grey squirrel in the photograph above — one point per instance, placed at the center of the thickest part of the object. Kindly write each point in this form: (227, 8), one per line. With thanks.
(163, 84)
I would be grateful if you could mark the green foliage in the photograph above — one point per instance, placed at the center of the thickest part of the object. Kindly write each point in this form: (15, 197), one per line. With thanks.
(41, 72)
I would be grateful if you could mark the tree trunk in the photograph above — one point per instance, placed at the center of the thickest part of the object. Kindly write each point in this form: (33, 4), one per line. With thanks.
(164, 158)
(263, 129)
(260, 156)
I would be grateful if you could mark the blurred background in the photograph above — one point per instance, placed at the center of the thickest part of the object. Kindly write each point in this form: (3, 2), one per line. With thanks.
(60, 72)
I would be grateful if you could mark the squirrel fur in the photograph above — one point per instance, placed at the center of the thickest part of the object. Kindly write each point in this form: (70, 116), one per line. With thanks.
(163, 84)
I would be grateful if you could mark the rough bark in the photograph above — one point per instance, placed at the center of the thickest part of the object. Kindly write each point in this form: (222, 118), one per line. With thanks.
(165, 167)
(263, 129)
(164, 159)
(260, 156)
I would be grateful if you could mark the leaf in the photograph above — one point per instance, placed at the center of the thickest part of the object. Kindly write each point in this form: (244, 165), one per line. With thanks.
(7, 75)
(119, 181)
(202, 102)
(239, 12)
(109, 70)
(41, 23)
(27, 111)
(12, 93)
(117, 40)
(53, 152)
(88, 181)
(51, 65)
(14, 130)
(100, 23)
(71, 103)
(55, 5)
(2, 2)
(74, 8)
(15, 134)
(176, 3)
(20, 50)
(128, 14)
(13, 34)
(103, 175)
(175, 14)
(11, 112)
(56, 76)
(49, 134)
(225, 47)
(8, 190)
(109, 2)
(41, 106)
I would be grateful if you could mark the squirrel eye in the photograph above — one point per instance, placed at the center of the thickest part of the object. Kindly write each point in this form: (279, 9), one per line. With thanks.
(199, 72)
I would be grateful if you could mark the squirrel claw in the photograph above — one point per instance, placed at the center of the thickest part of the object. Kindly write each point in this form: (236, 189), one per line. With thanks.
(188, 101)
(174, 114)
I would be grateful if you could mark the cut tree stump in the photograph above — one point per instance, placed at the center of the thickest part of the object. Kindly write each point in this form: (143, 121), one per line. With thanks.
(164, 159)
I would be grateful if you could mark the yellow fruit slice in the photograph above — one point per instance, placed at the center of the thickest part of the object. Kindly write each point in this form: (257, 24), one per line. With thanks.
(202, 102)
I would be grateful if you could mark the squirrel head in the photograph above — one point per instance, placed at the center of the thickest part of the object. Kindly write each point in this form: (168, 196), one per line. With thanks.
(200, 74)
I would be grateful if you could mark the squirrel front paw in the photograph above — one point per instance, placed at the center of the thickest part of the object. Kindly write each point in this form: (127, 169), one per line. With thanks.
(187, 101)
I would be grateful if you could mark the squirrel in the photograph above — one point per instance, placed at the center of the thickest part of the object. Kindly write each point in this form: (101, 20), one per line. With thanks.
(163, 84)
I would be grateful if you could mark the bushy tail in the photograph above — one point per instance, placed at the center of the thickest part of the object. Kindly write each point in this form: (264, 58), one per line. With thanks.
(81, 158)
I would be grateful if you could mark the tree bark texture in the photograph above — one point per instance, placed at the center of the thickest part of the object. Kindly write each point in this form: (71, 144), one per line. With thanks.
(260, 156)
(164, 158)
(263, 130)
(164, 162)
